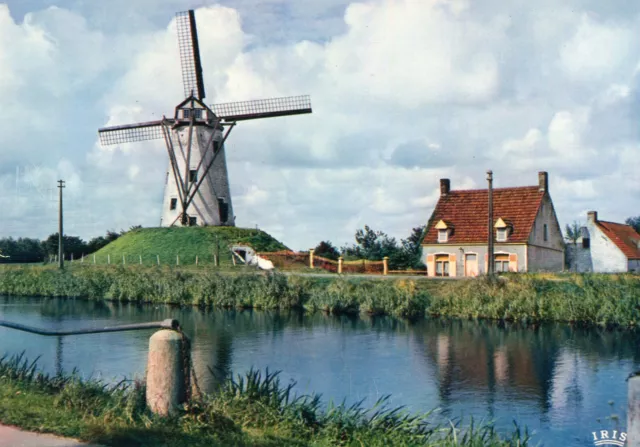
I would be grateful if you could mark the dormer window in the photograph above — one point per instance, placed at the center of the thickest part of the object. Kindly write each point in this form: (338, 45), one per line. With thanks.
(444, 230)
(503, 228)
(186, 113)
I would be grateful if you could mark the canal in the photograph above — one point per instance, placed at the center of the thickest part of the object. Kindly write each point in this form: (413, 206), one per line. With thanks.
(561, 382)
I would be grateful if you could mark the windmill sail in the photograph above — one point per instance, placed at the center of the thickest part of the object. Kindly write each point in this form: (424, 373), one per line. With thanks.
(151, 130)
(263, 108)
(190, 54)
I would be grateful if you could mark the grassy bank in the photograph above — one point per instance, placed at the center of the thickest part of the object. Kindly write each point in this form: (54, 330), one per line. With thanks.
(606, 300)
(254, 410)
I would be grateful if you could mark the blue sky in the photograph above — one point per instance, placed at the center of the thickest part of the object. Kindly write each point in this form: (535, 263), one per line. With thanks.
(404, 93)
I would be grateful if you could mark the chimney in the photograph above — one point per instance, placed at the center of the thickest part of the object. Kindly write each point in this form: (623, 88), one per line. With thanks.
(592, 216)
(543, 181)
(445, 186)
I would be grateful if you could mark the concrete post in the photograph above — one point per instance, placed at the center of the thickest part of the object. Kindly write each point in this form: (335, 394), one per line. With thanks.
(140, 259)
(311, 250)
(108, 259)
(196, 259)
(633, 412)
(168, 372)
(158, 259)
(385, 265)
(340, 264)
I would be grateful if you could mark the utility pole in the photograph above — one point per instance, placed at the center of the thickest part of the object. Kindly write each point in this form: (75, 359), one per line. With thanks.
(60, 237)
(490, 263)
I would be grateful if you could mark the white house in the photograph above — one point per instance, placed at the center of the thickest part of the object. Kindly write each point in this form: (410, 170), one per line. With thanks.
(606, 247)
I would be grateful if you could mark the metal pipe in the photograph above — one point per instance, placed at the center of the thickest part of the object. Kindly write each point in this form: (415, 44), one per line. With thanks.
(165, 324)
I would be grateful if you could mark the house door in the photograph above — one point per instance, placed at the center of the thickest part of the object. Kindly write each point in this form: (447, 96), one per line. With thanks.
(471, 265)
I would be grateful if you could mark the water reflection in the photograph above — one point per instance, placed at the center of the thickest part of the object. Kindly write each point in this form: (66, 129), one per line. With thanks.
(555, 379)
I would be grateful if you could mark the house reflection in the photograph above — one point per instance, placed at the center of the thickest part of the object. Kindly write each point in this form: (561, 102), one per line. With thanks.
(482, 357)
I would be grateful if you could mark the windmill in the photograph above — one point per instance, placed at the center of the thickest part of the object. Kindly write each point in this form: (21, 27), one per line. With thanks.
(197, 184)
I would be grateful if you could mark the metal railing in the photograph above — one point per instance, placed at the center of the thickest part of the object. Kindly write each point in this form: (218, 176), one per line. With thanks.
(165, 324)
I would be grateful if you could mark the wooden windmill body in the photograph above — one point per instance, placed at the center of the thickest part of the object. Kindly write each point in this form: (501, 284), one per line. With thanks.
(197, 189)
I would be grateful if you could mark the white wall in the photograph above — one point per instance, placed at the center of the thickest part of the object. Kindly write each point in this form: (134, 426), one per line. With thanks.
(606, 257)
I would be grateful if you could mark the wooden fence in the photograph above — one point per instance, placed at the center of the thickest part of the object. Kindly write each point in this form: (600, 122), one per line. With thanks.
(290, 259)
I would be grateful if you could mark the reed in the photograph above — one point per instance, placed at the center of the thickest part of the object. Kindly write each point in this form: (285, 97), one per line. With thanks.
(251, 409)
(589, 299)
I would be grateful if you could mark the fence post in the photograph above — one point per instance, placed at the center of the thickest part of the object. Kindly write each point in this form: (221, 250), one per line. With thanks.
(196, 259)
(124, 262)
(158, 257)
(233, 259)
(340, 264)
(385, 265)
(215, 260)
(140, 259)
(168, 372)
(311, 250)
(72, 258)
(94, 259)
(177, 259)
(82, 259)
(108, 259)
(633, 411)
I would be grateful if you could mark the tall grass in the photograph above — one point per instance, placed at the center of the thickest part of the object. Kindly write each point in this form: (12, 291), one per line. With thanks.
(252, 409)
(605, 300)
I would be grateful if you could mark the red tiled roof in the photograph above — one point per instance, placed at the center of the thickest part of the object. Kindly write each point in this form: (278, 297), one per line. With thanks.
(467, 211)
(624, 236)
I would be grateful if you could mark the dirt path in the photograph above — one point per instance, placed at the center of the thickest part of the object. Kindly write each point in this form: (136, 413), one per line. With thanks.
(13, 437)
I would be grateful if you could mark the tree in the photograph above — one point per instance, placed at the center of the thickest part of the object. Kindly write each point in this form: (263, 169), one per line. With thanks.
(21, 250)
(326, 249)
(573, 234)
(634, 222)
(372, 245)
(73, 245)
(412, 248)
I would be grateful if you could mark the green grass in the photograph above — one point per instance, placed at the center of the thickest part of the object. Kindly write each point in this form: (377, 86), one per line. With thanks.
(183, 242)
(253, 410)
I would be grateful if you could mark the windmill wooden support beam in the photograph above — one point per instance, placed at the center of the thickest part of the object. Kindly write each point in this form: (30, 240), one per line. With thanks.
(197, 176)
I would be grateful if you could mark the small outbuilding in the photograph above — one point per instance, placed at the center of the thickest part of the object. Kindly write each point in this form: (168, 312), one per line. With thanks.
(604, 247)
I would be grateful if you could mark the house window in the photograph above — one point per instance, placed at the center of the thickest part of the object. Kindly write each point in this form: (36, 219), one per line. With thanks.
(197, 113)
(501, 263)
(173, 204)
(186, 113)
(193, 176)
(546, 232)
(193, 221)
(442, 265)
(442, 235)
(502, 235)
(586, 242)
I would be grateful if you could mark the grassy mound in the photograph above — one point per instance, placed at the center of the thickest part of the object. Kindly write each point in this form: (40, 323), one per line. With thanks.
(184, 242)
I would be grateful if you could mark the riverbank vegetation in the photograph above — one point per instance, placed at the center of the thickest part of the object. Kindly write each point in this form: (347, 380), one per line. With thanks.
(253, 410)
(591, 299)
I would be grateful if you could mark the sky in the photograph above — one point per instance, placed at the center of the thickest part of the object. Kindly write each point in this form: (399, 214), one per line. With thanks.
(404, 93)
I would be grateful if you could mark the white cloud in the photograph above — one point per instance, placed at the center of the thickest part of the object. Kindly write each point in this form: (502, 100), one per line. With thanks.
(404, 93)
